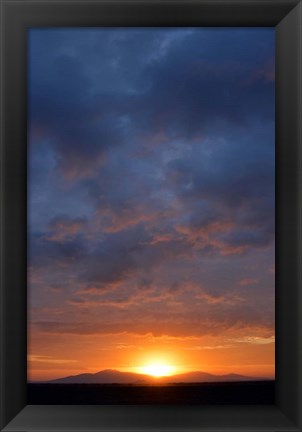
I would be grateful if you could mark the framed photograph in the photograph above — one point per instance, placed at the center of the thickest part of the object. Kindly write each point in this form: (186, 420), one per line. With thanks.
(151, 212)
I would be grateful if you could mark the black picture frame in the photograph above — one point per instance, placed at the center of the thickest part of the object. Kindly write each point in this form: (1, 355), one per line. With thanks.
(16, 17)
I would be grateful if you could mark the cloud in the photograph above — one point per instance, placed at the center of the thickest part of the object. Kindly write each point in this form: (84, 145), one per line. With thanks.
(65, 228)
(248, 282)
(256, 340)
(44, 251)
(48, 359)
(158, 325)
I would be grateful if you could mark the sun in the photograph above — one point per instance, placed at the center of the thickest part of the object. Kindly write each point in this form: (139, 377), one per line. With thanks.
(158, 369)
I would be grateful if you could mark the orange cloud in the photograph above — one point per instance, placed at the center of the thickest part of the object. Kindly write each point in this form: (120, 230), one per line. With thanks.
(63, 228)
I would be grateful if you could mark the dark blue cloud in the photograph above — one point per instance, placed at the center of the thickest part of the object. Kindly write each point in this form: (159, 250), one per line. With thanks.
(85, 87)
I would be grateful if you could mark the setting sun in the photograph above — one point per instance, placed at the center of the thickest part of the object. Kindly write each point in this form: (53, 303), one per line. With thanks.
(158, 369)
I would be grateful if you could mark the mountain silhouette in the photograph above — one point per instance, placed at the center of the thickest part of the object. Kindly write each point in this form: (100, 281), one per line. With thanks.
(110, 376)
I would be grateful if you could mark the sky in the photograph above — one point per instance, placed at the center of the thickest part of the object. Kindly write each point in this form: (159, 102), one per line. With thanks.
(151, 211)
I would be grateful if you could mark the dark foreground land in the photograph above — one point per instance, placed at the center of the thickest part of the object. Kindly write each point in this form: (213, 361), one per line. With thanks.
(251, 392)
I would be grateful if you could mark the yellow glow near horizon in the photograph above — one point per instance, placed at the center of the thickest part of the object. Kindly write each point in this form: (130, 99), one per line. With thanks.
(157, 369)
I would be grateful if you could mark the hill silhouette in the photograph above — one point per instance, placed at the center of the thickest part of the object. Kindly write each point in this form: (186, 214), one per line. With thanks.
(111, 376)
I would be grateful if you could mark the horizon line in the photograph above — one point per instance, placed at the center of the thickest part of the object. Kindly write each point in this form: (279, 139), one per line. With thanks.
(155, 378)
